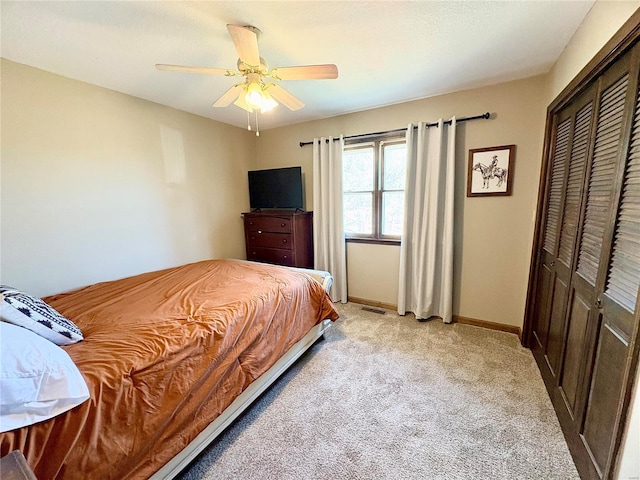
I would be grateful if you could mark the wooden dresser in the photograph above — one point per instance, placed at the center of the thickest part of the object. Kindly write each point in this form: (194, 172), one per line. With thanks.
(280, 237)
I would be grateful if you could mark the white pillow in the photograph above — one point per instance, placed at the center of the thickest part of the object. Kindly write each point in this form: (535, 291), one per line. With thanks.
(38, 380)
(32, 313)
(323, 277)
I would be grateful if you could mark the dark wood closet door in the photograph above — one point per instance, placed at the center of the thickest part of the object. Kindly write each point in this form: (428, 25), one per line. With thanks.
(582, 306)
(617, 288)
(568, 231)
(570, 154)
(582, 315)
(555, 200)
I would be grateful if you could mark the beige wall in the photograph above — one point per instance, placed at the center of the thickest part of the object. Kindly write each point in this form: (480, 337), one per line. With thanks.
(97, 185)
(493, 235)
(629, 462)
(603, 20)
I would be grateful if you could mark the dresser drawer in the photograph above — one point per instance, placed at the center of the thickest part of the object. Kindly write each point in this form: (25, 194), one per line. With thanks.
(268, 224)
(270, 255)
(267, 239)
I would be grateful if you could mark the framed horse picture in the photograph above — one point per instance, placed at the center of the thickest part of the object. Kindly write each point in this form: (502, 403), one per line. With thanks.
(490, 171)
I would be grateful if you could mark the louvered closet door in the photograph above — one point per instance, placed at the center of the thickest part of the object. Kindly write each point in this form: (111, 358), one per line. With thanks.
(582, 315)
(583, 310)
(580, 116)
(615, 296)
(546, 274)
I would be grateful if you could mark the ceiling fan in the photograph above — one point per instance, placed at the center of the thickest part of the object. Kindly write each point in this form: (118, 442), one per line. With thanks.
(257, 91)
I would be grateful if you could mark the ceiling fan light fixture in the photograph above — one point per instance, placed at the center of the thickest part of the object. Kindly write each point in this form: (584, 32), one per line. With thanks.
(254, 96)
(242, 103)
(269, 103)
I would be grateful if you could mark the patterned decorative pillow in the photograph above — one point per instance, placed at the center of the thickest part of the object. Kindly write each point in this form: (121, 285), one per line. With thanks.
(33, 314)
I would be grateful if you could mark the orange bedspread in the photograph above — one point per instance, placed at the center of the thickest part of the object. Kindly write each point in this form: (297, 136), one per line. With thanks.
(164, 354)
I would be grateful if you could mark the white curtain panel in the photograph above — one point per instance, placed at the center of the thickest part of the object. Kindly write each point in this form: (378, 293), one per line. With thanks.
(328, 229)
(426, 251)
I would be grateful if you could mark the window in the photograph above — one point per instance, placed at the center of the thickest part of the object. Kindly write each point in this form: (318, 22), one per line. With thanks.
(373, 182)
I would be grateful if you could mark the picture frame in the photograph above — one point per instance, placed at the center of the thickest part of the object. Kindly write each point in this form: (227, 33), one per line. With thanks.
(490, 171)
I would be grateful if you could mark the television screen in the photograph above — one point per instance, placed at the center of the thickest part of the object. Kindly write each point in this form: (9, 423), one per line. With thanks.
(275, 188)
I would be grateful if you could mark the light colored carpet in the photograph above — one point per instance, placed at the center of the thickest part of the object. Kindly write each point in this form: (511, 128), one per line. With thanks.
(388, 397)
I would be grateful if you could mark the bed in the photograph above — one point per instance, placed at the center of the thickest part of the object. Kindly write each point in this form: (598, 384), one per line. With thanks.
(171, 358)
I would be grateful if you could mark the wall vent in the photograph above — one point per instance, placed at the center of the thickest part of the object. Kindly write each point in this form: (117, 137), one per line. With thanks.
(374, 310)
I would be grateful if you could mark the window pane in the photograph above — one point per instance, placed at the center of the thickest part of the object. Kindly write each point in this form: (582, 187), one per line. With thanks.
(358, 170)
(395, 161)
(358, 213)
(392, 210)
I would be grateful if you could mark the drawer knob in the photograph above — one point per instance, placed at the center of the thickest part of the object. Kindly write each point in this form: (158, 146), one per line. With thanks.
(284, 241)
(285, 257)
(259, 231)
(282, 224)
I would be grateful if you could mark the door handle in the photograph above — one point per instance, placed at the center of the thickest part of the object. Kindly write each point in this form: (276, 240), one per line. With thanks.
(599, 303)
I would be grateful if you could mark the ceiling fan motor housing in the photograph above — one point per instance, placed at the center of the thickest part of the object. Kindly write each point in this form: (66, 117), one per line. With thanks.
(244, 68)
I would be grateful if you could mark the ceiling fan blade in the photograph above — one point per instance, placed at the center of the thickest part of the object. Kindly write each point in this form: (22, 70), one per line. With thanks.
(228, 96)
(246, 42)
(284, 97)
(181, 68)
(306, 72)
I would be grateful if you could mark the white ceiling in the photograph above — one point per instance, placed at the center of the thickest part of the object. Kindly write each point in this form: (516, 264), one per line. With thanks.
(386, 51)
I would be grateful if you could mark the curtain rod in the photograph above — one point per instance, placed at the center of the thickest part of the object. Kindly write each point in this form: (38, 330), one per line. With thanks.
(484, 116)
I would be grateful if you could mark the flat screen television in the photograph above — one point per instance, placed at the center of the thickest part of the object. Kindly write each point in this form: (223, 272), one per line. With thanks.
(275, 188)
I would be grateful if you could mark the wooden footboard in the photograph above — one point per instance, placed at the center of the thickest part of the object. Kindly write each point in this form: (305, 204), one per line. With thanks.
(244, 400)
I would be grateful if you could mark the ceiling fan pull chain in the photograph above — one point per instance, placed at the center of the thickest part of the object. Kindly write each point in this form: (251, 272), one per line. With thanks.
(257, 127)
(248, 121)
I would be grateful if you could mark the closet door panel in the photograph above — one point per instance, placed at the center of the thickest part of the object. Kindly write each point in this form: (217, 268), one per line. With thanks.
(619, 277)
(601, 179)
(575, 184)
(556, 325)
(575, 350)
(607, 383)
(541, 324)
(582, 116)
(546, 277)
(554, 203)
(623, 278)
(583, 318)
